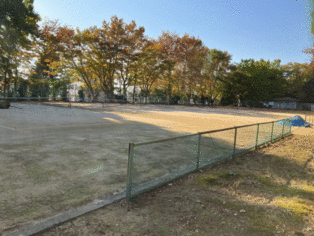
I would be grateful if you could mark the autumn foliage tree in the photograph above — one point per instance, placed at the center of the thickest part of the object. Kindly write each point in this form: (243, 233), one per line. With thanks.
(119, 53)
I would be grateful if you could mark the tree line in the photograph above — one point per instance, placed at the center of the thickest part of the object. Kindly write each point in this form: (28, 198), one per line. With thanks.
(44, 60)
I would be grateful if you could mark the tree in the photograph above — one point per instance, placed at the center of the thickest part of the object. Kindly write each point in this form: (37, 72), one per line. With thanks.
(188, 69)
(112, 51)
(265, 79)
(169, 43)
(236, 87)
(150, 66)
(295, 75)
(19, 15)
(75, 58)
(308, 90)
(133, 44)
(216, 69)
(17, 22)
(49, 66)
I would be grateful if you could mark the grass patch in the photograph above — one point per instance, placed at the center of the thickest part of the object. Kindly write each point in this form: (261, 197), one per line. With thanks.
(38, 173)
(263, 222)
(227, 204)
(209, 179)
(299, 207)
(216, 178)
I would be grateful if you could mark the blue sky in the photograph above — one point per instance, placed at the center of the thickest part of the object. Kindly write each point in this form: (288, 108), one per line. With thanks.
(268, 29)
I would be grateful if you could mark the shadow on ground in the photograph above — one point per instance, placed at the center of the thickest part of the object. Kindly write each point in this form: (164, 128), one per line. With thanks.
(265, 192)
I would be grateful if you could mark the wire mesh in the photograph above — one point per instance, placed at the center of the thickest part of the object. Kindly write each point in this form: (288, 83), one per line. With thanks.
(277, 133)
(264, 134)
(246, 138)
(156, 163)
(216, 146)
(287, 126)
(46, 101)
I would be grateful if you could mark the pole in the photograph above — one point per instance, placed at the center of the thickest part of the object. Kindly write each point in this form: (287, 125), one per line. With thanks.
(198, 151)
(129, 174)
(235, 140)
(283, 127)
(272, 132)
(257, 136)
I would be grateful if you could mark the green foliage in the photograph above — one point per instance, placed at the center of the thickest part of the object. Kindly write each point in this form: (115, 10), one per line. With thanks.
(296, 75)
(264, 79)
(236, 86)
(308, 90)
(17, 22)
(20, 15)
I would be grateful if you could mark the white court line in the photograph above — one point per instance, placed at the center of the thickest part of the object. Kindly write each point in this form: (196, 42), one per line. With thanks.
(7, 127)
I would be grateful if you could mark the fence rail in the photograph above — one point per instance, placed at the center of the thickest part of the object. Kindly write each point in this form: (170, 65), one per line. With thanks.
(154, 163)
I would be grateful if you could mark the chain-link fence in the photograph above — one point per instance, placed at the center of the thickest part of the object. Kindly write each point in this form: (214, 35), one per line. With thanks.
(155, 163)
(65, 102)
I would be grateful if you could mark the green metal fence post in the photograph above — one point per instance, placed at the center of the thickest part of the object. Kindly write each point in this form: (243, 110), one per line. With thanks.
(235, 140)
(283, 127)
(257, 136)
(130, 174)
(272, 132)
(290, 126)
(198, 152)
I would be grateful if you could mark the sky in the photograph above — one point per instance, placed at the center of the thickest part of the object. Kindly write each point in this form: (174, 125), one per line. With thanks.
(267, 29)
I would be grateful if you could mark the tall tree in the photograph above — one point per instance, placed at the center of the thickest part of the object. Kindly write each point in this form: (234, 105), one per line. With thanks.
(150, 66)
(17, 22)
(217, 66)
(134, 41)
(308, 89)
(296, 78)
(169, 47)
(266, 79)
(189, 67)
(236, 87)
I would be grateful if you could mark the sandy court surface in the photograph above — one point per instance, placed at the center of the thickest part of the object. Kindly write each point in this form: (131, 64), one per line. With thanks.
(53, 159)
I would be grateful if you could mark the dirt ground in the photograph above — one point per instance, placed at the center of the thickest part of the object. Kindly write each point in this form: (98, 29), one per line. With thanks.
(55, 159)
(268, 191)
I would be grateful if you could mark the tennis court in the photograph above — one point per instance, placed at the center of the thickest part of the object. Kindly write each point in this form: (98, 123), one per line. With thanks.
(53, 159)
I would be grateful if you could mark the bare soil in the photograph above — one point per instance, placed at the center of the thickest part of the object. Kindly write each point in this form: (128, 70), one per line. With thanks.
(268, 191)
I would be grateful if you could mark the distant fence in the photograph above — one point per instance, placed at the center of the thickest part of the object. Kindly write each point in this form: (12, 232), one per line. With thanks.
(137, 99)
(60, 101)
(151, 164)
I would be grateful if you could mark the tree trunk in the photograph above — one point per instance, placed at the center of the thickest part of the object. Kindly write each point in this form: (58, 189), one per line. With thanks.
(124, 88)
(134, 92)
(5, 85)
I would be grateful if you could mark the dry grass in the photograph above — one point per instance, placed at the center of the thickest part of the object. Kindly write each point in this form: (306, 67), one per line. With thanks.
(264, 192)
(54, 167)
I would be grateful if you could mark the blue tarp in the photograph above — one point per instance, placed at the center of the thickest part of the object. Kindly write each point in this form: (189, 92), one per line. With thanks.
(296, 121)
